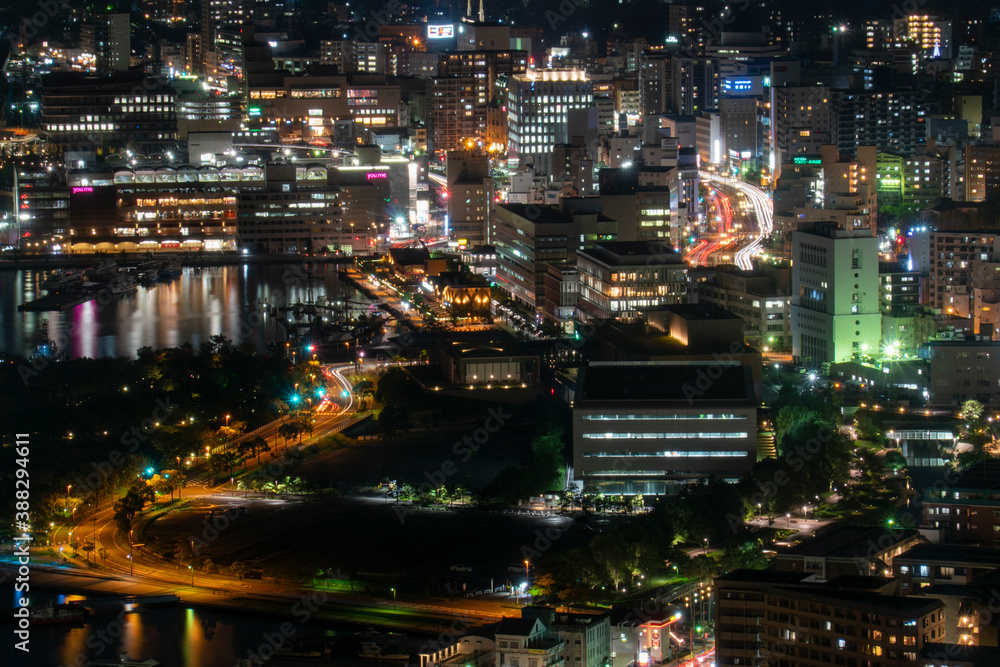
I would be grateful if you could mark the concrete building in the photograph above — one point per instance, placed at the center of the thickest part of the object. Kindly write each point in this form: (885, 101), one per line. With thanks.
(841, 550)
(618, 279)
(835, 294)
(895, 121)
(963, 369)
(762, 299)
(526, 642)
(781, 618)
(293, 212)
(982, 171)
(108, 39)
(470, 197)
(968, 511)
(529, 237)
(538, 104)
(586, 637)
(644, 427)
(111, 114)
(953, 256)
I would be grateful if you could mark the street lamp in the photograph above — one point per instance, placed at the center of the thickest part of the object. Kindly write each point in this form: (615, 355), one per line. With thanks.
(191, 567)
(526, 575)
(393, 598)
(68, 487)
(227, 421)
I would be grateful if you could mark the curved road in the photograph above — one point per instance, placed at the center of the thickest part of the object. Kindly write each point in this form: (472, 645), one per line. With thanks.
(759, 214)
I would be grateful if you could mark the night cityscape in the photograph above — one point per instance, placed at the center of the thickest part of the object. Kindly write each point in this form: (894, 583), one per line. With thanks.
(497, 333)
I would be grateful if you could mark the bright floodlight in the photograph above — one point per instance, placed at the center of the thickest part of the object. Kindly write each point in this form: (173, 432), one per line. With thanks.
(812, 377)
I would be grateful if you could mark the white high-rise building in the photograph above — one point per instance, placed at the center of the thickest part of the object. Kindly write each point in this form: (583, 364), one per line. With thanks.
(538, 103)
(835, 294)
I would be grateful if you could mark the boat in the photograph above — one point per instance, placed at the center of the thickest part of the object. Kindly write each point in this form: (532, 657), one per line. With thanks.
(125, 659)
(63, 280)
(148, 278)
(170, 269)
(46, 348)
(103, 272)
(53, 614)
(123, 283)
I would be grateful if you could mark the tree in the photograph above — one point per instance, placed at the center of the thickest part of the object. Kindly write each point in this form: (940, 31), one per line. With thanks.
(129, 505)
(288, 430)
(103, 553)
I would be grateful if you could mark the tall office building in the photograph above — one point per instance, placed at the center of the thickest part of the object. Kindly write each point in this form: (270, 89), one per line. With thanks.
(538, 105)
(835, 292)
(79, 109)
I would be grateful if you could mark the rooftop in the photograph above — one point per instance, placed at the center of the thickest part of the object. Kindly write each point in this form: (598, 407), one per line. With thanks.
(631, 253)
(842, 541)
(665, 381)
(952, 553)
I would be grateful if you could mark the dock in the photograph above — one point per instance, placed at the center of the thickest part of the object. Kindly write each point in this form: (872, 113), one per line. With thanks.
(57, 301)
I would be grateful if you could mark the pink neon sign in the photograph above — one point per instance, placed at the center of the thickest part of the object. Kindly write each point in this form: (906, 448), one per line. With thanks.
(83, 189)
(377, 174)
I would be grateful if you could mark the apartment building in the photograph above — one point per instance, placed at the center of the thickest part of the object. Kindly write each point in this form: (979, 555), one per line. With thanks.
(785, 620)
(967, 511)
(953, 255)
(963, 369)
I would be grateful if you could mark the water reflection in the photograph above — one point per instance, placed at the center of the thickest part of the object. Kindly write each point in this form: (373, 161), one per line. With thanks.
(201, 303)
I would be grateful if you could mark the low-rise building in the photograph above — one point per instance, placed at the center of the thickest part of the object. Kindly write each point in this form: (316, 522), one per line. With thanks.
(842, 550)
(644, 427)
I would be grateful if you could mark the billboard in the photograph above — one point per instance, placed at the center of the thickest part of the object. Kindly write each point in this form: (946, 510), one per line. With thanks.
(441, 31)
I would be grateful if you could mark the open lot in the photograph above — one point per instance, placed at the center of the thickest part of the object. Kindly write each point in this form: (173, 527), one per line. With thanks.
(368, 538)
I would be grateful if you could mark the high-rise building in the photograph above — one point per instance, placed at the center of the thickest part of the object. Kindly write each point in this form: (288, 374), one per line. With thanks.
(655, 84)
(982, 172)
(470, 197)
(218, 16)
(800, 121)
(462, 94)
(538, 104)
(895, 121)
(930, 35)
(529, 237)
(108, 39)
(835, 292)
(953, 257)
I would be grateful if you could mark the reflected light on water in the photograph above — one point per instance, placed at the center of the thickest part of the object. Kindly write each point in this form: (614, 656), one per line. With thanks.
(201, 303)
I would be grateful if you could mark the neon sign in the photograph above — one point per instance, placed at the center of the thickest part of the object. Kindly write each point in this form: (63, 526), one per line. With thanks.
(377, 174)
(83, 189)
